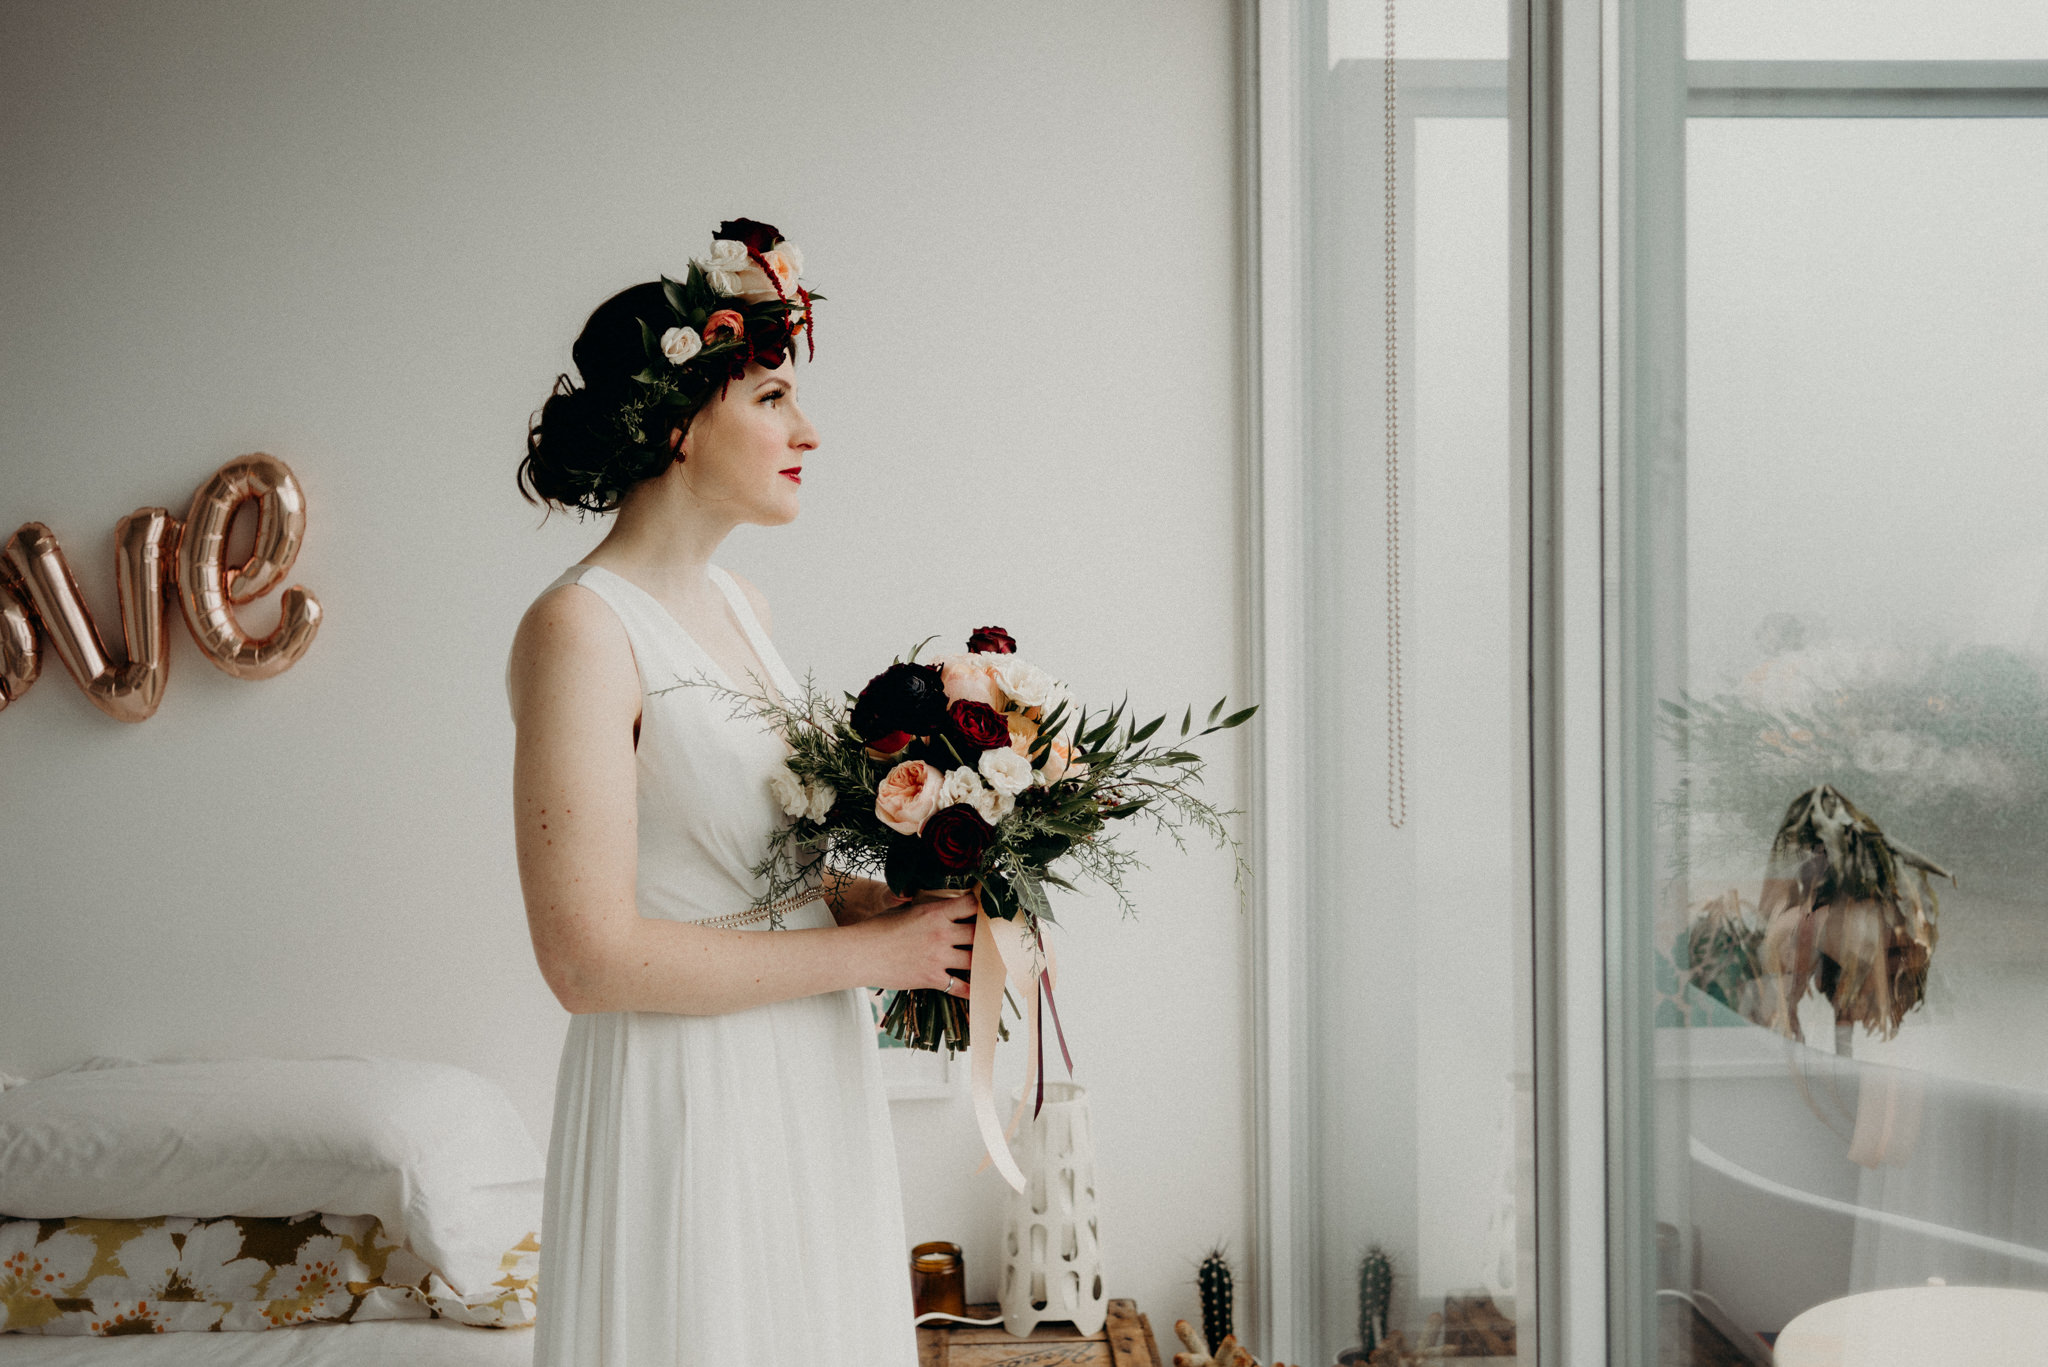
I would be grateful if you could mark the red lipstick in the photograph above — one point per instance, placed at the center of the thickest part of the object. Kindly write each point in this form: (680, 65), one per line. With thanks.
(795, 474)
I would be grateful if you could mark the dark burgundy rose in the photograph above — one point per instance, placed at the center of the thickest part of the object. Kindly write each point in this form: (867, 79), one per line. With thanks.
(759, 237)
(768, 340)
(974, 727)
(903, 697)
(991, 641)
(957, 837)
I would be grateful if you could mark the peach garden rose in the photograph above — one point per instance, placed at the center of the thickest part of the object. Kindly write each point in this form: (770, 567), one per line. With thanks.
(908, 796)
(972, 678)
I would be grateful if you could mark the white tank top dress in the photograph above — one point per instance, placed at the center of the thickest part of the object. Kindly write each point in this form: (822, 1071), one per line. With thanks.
(721, 1190)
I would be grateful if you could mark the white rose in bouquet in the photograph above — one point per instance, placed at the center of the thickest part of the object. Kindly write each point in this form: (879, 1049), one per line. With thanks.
(788, 791)
(1008, 772)
(959, 786)
(1026, 684)
(964, 785)
(823, 795)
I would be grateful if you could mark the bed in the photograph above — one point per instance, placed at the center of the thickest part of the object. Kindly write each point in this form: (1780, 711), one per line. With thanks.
(340, 1212)
(391, 1343)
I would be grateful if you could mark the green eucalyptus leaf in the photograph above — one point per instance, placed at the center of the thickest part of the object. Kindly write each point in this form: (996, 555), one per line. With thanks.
(1031, 896)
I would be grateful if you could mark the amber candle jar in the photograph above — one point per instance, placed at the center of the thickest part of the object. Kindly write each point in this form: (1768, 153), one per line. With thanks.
(938, 1279)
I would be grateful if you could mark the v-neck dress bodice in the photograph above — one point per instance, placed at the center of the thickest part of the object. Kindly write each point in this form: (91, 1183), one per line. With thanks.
(721, 1189)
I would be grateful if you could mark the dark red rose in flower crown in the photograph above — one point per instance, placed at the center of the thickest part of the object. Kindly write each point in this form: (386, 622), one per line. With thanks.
(974, 727)
(957, 837)
(991, 641)
(769, 340)
(759, 237)
(903, 697)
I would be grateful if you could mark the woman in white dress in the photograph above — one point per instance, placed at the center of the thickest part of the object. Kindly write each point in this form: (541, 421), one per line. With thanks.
(721, 1184)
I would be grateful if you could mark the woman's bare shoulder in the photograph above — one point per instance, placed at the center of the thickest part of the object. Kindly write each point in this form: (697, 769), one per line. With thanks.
(570, 644)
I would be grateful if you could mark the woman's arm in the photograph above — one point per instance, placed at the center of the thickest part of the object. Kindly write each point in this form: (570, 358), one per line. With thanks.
(575, 699)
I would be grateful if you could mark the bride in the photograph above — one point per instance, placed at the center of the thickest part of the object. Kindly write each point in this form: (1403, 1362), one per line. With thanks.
(721, 1181)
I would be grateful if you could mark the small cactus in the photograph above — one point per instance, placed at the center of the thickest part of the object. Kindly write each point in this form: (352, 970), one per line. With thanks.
(1375, 1296)
(1218, 1298)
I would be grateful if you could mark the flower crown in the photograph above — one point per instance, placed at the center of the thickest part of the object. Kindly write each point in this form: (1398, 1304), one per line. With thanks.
(739, 304)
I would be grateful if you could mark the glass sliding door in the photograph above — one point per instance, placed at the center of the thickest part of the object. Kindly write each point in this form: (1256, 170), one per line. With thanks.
(1417, 942)
(1831, 680)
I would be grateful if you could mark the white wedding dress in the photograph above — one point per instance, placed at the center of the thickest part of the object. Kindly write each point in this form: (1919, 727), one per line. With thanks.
(721, 1190)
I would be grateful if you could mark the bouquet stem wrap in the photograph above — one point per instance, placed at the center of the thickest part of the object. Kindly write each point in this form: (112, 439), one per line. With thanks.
(1024, 965)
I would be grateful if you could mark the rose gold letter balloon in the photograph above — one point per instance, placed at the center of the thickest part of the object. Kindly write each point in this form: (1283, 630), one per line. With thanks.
(125, 689)
(21, 655)
(208, 591)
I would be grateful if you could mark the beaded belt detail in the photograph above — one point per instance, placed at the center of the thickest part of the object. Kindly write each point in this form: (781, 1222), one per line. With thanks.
(773, 911)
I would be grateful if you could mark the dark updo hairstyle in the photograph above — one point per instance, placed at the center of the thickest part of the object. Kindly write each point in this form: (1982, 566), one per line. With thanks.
(578, 453)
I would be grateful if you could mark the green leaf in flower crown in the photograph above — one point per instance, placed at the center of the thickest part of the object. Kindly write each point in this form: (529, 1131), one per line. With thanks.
(1065, 827)
(1187, 720)
(647, 338)
(674, 293)
(647, 377)
(1123, 809)
(1144, 732)
(1238, 718)
(1049, 876)
(1217, 710)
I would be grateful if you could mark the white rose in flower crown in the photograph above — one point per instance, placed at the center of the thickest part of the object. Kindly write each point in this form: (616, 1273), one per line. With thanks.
(788, 791)
(680, 344)
(723, 266)
(823, 795)
(731, 272)
(1026, 684)
(1008, 772)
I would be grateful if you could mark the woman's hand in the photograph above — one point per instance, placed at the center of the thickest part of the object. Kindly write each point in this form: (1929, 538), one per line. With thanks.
(924, 944)
(853, 900)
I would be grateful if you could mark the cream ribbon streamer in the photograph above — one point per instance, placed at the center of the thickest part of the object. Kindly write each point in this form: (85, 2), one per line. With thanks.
(1018, 951)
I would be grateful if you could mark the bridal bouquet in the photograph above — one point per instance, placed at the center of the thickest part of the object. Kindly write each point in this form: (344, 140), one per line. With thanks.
(976, 772)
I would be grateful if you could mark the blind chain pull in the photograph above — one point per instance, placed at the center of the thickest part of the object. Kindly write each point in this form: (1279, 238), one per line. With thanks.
(1397, 722)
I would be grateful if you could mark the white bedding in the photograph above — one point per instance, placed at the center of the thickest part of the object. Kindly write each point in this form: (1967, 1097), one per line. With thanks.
(387, 1343)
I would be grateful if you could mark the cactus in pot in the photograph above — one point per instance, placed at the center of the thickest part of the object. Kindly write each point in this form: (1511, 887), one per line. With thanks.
(1375, 1297)
(1218, 1291)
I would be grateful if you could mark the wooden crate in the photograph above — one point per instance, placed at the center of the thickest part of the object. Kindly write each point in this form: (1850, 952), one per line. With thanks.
(1125, 1341)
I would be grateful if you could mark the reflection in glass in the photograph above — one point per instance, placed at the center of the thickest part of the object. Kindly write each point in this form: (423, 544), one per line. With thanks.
(1860, 680)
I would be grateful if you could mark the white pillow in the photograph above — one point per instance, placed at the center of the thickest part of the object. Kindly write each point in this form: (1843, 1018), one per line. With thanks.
(433, 1151)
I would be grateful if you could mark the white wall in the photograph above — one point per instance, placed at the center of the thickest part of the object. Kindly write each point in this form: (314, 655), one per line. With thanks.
(361, 237)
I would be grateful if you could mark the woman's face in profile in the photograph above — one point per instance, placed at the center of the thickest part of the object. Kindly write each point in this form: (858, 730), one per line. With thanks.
(746, 448)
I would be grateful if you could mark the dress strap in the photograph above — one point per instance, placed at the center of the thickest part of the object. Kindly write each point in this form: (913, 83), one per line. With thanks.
(744, 611)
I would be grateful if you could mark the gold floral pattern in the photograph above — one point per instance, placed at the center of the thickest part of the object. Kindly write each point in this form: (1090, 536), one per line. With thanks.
(170, 1273)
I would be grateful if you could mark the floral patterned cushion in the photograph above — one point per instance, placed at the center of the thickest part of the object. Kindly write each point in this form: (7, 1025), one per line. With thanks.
(173, 1273)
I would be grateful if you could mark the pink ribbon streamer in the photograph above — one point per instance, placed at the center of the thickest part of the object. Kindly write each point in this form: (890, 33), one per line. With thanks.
(1027, 962)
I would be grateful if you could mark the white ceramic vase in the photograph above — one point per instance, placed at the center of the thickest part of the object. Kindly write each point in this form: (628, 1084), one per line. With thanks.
(1052, 1255)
